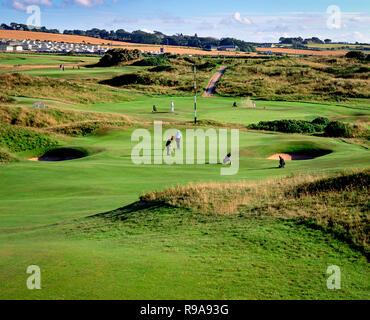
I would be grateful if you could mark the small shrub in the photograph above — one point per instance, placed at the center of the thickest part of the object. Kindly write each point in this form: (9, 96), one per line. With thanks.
(355, 55)
(153, 61)
(321, 121)
(115, 57)
(338, 129)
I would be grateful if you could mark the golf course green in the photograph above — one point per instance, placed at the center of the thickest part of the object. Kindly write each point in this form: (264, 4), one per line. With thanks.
(82, 223)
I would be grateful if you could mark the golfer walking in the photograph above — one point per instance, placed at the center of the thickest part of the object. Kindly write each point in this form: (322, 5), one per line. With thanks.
(178, 139)
(172, 107)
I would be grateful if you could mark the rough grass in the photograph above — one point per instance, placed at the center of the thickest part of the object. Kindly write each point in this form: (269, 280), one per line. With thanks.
(296, 78)
(311, 200)
(85, 128)
(5, 99)
(174, 77)
(18, 139)
(52, 116)
(16, 84)
(6, 156)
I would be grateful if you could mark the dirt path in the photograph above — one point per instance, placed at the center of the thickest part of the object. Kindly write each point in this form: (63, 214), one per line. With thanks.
(211, 86)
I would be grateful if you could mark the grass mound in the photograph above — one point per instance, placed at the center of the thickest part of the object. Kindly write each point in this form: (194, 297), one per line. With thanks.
(296, 79)
(344, 182)
(313, 201)
(167, 75)
(6, 156)
(16, 84)
(153, 61)
(215, 197)
(114, 57)
(48, 117)
(140, 79)
(86, 128)
(18, 139)
(5, 98)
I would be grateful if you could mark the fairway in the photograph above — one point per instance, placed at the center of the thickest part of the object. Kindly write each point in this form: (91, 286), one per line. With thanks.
(84, 223)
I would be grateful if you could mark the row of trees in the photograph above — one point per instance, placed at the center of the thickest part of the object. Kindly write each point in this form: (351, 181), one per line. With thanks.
(24, 27)
(139, 36)
(300, 40)
(160, 38)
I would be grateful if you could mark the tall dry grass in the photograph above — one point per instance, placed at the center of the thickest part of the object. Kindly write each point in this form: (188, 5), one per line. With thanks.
(16, 84)
(297, 78)
(338, 204)
(53, 116)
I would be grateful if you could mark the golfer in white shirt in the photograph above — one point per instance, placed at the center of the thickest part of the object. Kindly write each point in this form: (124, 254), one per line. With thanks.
(178, 139)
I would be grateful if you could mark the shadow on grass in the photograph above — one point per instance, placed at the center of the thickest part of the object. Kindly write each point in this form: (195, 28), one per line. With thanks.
(125, 212)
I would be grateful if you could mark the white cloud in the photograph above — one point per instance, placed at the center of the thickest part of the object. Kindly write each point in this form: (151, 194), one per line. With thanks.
(146, 30)
(237, 17)
(23, 4)
(89, 3)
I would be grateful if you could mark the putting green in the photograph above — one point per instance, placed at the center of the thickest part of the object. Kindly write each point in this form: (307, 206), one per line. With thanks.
(39, 193)
(217, 108)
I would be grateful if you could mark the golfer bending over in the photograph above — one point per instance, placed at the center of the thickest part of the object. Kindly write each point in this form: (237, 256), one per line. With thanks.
(227, 159)
(168, 145)
(281, 162)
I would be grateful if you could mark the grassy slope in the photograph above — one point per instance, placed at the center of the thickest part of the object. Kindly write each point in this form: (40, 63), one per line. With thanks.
(160, 252)
(304, 79)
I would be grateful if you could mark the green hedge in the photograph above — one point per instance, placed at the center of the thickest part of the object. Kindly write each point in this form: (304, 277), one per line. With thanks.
(318, 125)
(338, 129)
(292, 126)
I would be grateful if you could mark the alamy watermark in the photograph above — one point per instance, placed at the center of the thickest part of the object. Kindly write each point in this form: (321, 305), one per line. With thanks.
(34, 20)
(334, 20)
(334, 281)
(152, 151)
(34, 280)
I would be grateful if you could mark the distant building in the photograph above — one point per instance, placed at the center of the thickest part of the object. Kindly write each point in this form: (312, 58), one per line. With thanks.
(211, 48)
(265, 45)
(6, 47)
(49, 47)
(228, 48)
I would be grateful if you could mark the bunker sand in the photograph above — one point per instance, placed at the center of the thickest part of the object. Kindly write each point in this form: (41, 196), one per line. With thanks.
(291, 156)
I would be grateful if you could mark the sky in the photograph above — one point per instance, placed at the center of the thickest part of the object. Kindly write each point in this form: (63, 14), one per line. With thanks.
(249, 20)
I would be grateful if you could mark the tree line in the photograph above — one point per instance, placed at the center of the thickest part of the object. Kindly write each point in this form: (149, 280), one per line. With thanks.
(143, 37)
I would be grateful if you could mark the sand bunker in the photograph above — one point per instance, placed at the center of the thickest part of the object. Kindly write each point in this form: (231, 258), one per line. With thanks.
(293, 156)
(62, 154)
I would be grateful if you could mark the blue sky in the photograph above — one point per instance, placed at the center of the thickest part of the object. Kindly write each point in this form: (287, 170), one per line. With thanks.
(250, 20)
